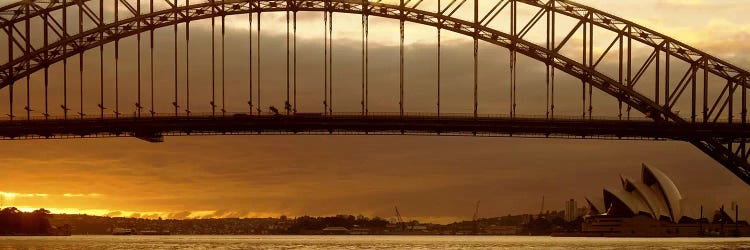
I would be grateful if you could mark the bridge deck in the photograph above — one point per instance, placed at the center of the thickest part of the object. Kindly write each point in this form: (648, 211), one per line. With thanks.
(153, 127)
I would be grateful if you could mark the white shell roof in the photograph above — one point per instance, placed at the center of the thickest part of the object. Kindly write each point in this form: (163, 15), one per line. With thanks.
(657, 207)
(597, 204)
(655, 195)
(654, 177)
(634, 203)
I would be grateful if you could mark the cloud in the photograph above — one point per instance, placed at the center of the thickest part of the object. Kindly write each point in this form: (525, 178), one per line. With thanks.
(82, 195)
(179, 215)
(684, 3)
(114, 214)
(10, 195)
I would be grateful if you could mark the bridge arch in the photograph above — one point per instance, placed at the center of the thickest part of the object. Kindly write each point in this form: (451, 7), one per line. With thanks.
(92, 38)
(719, 148)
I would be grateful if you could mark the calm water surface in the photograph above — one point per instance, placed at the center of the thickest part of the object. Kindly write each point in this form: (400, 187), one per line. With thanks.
(361, 242)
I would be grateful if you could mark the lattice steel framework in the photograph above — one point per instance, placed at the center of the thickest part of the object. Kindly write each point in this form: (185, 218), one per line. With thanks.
(703, 74)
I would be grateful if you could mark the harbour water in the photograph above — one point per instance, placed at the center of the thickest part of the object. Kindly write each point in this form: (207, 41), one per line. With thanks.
(364, 242)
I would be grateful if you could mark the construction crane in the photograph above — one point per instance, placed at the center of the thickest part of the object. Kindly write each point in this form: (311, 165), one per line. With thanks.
(399, 220)
(541, 210)
(476, 212)
(474, 221)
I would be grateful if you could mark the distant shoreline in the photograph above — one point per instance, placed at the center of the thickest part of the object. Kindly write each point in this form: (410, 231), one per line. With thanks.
(384, 235)
(34, 235)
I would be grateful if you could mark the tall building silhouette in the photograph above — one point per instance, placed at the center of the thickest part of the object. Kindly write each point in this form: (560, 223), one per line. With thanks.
(571, 210)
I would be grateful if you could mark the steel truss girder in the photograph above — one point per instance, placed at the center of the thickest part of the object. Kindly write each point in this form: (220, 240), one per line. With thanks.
(70, 45)
(91, 38)
(466, 124)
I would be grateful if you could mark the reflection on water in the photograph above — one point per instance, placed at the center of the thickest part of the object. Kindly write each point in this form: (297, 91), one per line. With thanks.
(363, 242)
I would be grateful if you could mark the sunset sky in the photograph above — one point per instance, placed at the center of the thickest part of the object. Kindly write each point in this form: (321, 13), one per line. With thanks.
(429, 178)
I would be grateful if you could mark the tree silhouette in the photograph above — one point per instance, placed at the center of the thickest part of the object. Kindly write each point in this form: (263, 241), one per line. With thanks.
(16, 222)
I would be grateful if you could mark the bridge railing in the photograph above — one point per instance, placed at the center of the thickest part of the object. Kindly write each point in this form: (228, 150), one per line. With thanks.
(335, 115)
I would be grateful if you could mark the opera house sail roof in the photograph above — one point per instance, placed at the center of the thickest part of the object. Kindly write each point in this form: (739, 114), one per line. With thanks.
(655, 196)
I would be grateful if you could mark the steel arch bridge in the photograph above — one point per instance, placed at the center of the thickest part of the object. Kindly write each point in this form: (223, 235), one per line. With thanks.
(672, 75)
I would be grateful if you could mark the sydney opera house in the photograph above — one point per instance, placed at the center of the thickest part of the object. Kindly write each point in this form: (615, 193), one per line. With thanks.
(654, 207)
